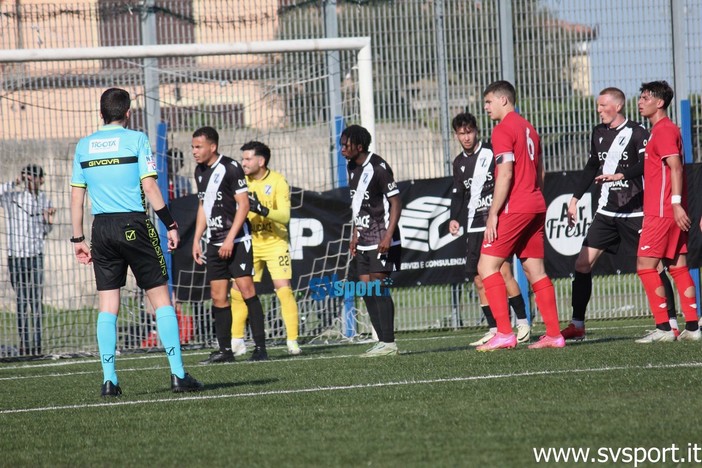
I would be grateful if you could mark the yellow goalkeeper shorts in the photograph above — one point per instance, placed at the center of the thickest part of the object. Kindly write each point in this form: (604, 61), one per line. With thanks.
(276, 258)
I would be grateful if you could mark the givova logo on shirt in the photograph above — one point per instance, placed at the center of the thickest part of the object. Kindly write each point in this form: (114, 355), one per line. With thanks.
(104, 145)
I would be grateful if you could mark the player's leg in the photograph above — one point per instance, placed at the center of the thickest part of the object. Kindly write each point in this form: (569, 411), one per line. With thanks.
(110, 269)
(669, 300)
(474, 242)
(532, 254)
(496, 293)
(242, 270)
(688, 300)
(169, 334)
(289, 312)
(379, 268)
(516, 302)
(108, 303)
(545, 298)
(146, 262)
(652, 248)
(279, 266)
(362, 259)
(239, 315)
(489, 318)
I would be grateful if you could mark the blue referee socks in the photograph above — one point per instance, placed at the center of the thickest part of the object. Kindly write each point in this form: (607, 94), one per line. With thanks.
(107, 345)
(167, 326)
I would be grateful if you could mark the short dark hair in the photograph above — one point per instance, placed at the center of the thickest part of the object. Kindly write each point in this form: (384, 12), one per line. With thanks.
(660, 90)
(114, 104)
(503, 88)
(209, 133)
(464, 119)
(259, 149)
(357, 135)
(33, 170)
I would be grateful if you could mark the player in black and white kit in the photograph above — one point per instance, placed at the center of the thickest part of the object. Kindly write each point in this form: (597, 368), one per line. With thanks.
(375, 238)
(473, 186)
(224, 204)
(617, 150)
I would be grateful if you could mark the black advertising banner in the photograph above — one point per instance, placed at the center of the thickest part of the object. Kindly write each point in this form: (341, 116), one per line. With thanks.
(320, 228)
(430, 254)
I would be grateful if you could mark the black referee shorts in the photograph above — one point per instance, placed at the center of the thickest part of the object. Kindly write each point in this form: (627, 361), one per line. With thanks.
(614, 235)
(126, 239)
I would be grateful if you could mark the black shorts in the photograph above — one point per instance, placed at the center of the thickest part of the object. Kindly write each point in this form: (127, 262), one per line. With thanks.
(239, 264)
(126, 239)
(474, 242)
(370, 261)
(608, 233)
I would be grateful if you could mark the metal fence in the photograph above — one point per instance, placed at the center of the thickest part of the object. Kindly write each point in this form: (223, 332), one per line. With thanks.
(431, 60)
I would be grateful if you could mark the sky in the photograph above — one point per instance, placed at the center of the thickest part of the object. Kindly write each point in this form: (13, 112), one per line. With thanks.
(634, 42)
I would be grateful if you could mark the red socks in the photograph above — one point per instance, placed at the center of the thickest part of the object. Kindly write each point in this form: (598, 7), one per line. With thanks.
(545, 297)
(683, 281)
(496, 293)
(652, 285)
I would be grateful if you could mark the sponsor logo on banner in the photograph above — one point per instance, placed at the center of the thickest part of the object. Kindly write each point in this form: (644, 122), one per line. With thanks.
(564, 239)
(421, 221)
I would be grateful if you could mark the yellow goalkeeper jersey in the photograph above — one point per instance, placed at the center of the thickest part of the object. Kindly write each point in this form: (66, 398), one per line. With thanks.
(273, 192)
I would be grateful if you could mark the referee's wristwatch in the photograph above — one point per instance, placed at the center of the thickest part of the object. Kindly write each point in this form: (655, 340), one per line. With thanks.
(76, 240)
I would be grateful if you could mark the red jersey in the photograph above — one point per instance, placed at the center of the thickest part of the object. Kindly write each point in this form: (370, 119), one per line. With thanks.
(514, 139)
(665, 141)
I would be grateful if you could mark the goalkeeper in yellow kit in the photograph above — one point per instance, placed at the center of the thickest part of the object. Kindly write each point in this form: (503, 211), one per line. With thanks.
(269, 214)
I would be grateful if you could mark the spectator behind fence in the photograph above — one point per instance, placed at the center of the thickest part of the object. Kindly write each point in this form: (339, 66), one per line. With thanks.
(116, 167)
(178, 185)
(28, 219)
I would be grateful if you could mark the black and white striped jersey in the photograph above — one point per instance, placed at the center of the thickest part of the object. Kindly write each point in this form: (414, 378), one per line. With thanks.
(371, 184)
(612, 151)
(216, 187)
(473, 185)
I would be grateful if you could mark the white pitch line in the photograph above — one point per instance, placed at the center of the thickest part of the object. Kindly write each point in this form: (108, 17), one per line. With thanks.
(80, 361)
(201, 397)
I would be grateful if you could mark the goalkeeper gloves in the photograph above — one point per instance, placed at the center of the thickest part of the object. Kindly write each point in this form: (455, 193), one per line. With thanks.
(256, 206)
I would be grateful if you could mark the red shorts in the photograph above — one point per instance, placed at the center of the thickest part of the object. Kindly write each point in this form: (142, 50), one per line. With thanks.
(661, 238)
(521, 234)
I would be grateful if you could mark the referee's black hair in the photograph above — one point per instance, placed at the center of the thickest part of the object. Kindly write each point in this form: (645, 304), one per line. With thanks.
(259, 149)
(660, 90)
(209, 133)
(464, 119)
(114, 104)
(357, 135)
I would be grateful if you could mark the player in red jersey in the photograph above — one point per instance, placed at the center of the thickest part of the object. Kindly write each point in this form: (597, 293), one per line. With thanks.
(666, 223)
(515, 223)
